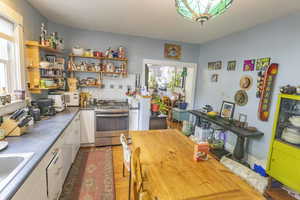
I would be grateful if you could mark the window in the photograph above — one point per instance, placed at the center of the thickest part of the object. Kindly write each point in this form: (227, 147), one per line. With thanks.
(6, 52)
(11, 50)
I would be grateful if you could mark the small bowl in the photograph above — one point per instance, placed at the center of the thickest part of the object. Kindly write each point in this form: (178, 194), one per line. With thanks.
(77, 51)
(44, 64)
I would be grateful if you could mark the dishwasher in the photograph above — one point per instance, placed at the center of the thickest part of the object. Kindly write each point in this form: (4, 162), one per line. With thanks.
(54, 176)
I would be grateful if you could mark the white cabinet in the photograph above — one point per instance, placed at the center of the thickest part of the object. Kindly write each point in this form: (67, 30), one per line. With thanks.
(134, 120)
(87, 126)
(76, 138)
(46, 181)
(66, 150)
(35, 186)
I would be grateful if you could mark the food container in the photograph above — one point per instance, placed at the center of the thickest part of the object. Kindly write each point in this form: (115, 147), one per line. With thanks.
(88, 53)
(110, 67)
(291, 135)
(77, 51)
(295, 121)
(44, 64)
(97, 54)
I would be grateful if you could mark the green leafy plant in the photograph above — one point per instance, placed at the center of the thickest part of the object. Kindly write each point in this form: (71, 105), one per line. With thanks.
(163, 108)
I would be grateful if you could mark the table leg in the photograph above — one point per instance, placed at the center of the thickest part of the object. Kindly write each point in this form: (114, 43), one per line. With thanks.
(238, 152)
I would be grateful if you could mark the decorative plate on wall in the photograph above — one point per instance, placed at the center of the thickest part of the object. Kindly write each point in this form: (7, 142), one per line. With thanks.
(241, 98)
(172, 51)
(246, 82)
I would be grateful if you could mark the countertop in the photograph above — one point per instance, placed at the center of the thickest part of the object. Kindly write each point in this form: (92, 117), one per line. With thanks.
(38, 139)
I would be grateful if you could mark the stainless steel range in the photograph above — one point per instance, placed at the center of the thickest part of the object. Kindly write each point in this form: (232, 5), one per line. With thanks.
(112, 119)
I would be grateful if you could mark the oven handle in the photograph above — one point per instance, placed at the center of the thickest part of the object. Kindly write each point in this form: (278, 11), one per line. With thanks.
(111, 115)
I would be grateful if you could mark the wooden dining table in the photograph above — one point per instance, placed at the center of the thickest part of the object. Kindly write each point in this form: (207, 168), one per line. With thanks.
(172, 174)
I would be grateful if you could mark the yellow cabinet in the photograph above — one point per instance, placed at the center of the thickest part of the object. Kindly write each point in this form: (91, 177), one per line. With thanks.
(284, 155)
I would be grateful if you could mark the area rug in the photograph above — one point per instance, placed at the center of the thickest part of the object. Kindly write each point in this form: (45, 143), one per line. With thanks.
(91, 176)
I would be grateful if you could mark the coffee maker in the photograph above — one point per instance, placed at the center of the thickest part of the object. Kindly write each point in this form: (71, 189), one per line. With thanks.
(45, 105)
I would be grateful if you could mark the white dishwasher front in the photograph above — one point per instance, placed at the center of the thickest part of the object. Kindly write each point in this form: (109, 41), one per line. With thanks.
(54, 174)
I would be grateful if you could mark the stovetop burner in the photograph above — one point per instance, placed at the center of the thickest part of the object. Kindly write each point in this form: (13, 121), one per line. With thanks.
(112, 105)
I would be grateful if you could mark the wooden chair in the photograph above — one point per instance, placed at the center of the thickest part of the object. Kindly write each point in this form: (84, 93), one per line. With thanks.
(126, 160)
(137, 178)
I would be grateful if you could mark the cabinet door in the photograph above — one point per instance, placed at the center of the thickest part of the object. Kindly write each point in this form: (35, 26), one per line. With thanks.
(87, 126)
(66, 152)
(285, 165)
(76, 136)
(34, 188)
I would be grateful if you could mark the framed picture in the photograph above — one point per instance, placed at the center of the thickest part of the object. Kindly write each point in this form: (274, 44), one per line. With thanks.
(231, 65)
(215, 65)
(214, 78)
(211, 66)
(227, 109)
(249, 65)
(262, 64)
(172, 51)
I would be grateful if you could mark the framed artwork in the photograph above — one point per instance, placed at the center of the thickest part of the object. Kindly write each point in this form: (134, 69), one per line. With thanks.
(231, 66)
(214, 78)
(211, 66)
(227, 109)
(215, 65)
(172, 51)
(262, 64)
(249, 65)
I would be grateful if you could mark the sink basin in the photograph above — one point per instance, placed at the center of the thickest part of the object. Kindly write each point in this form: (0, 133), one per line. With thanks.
(10, 165)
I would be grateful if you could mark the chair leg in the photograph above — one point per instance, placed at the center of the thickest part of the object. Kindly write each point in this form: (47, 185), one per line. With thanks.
(129, 189)
(123, 170)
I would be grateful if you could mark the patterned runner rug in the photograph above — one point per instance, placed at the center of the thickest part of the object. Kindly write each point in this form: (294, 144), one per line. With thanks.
(91, 176)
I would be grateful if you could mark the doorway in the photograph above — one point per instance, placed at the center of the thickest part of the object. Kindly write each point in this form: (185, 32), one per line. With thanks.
(168, 77)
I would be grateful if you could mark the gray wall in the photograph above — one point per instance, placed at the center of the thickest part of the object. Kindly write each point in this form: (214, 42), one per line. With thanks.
(279, 40)
(138, 48)
(32, 18)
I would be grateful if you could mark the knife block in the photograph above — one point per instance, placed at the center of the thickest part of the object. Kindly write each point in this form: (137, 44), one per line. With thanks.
(11, 128)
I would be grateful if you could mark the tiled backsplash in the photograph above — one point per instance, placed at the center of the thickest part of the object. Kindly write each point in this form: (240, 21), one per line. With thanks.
(113, 88)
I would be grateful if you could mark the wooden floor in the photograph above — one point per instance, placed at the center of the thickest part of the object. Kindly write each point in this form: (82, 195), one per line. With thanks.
(121, 183)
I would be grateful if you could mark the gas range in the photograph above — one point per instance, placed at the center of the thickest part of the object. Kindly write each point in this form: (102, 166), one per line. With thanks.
(112, 106)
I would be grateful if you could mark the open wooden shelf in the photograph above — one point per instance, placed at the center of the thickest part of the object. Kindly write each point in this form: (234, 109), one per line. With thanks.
(100, 58)
(98, 72)
(44, 48)
(99, 85)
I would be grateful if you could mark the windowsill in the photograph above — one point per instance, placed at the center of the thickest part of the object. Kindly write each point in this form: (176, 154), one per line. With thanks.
(13, 106)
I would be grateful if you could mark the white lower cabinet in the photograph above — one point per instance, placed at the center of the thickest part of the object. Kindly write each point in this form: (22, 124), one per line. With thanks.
(87, 126)
(46, 181)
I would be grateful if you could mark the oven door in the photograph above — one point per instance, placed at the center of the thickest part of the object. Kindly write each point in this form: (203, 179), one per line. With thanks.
(109, 127)
(111, 122)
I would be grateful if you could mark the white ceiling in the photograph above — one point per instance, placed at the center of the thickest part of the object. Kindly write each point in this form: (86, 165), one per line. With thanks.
(159, 19)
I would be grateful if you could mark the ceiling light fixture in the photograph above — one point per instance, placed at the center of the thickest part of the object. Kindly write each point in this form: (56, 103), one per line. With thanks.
(201, 10)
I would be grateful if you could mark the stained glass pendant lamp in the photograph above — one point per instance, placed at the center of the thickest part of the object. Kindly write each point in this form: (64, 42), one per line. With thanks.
(201, 10)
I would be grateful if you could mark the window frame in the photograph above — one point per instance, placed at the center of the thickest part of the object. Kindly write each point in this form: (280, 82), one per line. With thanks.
(17, 62)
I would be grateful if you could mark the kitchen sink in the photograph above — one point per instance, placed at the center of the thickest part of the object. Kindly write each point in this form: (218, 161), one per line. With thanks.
(10, 165)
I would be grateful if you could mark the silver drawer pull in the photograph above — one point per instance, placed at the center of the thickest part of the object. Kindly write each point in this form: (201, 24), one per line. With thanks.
(112, 115)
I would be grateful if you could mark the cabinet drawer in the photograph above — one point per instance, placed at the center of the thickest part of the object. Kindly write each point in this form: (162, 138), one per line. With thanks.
(285, 166)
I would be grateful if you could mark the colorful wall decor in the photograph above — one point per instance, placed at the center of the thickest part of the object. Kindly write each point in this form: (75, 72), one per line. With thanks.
(172, 51)
(231, 66)
(266, 90)
(262, 64)
(241, 98)
(215, 65)
(214, 78)
(227, 109)
(249, 65)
